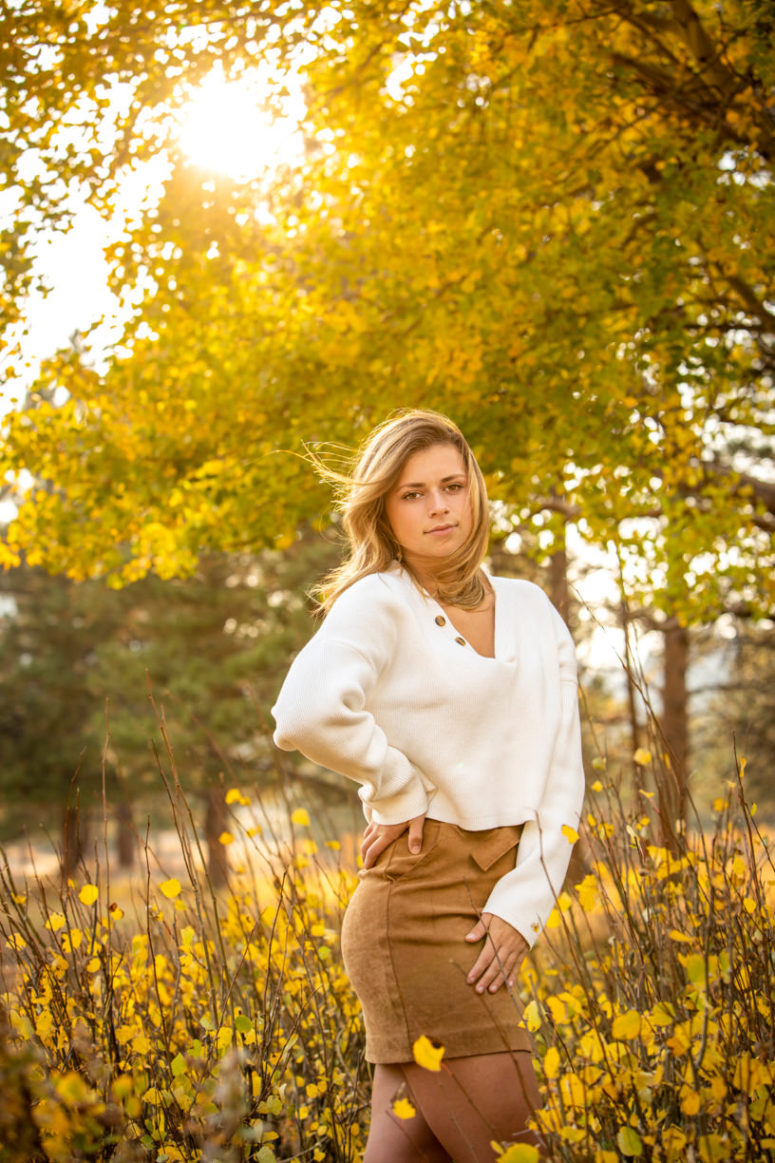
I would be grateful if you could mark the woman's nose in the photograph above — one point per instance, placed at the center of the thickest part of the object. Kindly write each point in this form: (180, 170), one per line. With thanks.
(438, 502)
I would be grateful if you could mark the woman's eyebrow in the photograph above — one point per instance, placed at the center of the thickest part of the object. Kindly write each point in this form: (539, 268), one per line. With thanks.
(421, 484)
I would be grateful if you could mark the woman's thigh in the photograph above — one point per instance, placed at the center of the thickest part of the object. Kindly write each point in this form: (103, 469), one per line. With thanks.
(396, 1140)
(472, 1102)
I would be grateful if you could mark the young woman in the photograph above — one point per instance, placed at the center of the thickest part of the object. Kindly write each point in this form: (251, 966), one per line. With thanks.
(450, 697)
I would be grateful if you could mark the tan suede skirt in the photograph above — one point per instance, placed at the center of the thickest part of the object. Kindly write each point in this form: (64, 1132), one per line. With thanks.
(404, 947)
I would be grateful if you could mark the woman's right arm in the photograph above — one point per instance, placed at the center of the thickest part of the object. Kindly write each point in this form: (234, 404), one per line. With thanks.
(323, 711)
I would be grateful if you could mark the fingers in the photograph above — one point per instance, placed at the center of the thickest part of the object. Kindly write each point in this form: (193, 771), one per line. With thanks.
(377, 837)
(375, 840)
(501, 956)
(415, 833)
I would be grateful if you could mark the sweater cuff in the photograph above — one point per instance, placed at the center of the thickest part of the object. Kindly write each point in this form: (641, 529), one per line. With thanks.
(528, 923)
(398, 808)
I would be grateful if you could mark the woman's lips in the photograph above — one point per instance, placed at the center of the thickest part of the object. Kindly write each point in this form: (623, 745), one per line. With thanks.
(441, 529)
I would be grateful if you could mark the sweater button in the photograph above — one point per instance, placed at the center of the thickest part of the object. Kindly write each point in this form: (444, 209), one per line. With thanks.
(460, 640)
(441, 620)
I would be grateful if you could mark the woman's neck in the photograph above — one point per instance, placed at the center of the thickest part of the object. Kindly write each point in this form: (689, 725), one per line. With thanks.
(432, 581)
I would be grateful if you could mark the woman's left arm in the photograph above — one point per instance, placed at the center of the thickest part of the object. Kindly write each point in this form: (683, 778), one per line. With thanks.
(520, 902)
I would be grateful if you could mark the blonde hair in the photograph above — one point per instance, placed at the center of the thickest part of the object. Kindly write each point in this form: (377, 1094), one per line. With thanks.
(361, 499)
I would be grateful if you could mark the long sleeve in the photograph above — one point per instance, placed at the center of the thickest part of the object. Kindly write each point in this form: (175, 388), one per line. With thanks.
(526, 896)
(322, 709)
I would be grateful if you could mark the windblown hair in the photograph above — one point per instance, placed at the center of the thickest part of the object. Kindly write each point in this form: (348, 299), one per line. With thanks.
(361, 498)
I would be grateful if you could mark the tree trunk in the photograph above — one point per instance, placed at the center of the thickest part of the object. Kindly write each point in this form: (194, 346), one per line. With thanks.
(632, 706)
(558, 579)
(675, 729)
(126, 845)
(215, 825)
(74, 839)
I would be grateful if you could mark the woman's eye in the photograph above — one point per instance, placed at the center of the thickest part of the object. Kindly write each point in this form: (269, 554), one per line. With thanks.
(454, 488)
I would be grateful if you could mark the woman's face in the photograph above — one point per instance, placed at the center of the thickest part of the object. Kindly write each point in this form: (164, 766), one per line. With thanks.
(429, 509)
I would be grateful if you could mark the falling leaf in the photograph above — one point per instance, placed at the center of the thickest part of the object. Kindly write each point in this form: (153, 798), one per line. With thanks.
(403, 1109)
(427, 1053)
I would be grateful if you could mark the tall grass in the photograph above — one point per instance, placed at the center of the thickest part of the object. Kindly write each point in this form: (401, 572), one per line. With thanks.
(188, 1024)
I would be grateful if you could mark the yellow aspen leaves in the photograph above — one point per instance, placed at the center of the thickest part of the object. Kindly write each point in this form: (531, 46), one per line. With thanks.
(642, 757)
(427, 1053)
(300, 817)
(226, 838)
(627, 1025)
(170, 888)
(88, 894)
(518, 1153)
(587, 891)
(570, 834)
(532, 1016)
(403, 1109)
(629, 1143)
(552, 1062)
(235, 796)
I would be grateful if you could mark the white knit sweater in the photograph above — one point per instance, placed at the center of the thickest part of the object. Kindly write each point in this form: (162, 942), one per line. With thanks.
(388, 693)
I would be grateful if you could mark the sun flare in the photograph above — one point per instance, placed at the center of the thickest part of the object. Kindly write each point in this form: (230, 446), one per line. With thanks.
(234, 126)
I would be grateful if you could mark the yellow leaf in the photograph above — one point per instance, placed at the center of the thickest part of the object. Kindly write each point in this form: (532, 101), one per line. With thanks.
(427, 1053)
(570, 834)
(642, 757)
(300, 817)
(596, 786)
(72, 940)
(626, 1026)
(629, 1142)
(88, 894)
(403, 1109)
(552, 1062)
(55, 922)
(519, 1153)
(587, 893)
(674, 935)
(532, 1016)
(170, 888)
(225, 838)
(690, 1101)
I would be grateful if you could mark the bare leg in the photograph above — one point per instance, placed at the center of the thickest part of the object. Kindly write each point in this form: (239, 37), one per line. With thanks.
(394, 1140)
(473, 1101)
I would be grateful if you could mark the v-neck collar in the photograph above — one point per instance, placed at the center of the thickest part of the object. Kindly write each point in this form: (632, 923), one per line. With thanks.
(441, 612)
